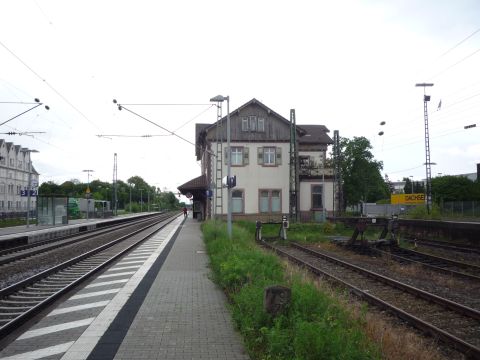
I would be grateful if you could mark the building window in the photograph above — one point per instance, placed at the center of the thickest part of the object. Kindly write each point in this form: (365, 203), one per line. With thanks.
(239, 156)
(261, 125)
(269, 156)
(9, 205)
(237, 201)
(252, 123)
(10, 189)
(244, 123)
(2, 189)
(317, 202)
(270, 201)
(11, 162)
(2, 204)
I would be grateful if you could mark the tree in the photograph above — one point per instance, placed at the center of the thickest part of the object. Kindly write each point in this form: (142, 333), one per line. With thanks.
(362, 180)
(454, 188)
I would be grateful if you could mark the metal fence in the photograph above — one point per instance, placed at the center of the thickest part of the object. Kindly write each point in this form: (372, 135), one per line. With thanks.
(464, 209)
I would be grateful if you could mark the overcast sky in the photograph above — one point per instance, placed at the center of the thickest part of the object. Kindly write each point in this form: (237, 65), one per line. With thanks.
(348, 65)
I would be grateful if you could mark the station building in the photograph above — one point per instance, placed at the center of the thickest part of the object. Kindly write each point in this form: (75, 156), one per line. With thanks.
(15, 167)
(261, 161)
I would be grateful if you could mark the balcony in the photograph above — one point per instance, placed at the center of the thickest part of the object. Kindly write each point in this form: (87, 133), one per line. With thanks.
(309, 168)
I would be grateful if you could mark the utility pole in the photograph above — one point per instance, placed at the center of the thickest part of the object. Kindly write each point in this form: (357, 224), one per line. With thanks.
(115, 183)
(428, 163)
(293, 168)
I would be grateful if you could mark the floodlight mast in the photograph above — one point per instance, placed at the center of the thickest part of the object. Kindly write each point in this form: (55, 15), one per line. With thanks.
(428, 163)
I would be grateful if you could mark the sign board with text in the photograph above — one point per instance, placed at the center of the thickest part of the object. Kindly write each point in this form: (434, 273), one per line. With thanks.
(25, 193)
(407, 199)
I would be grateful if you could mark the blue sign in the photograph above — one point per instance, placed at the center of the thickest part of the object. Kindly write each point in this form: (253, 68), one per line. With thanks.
(25, 193)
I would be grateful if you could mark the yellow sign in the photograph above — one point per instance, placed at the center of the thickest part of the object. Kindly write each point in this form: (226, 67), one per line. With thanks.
(407, 199)
(88, 190)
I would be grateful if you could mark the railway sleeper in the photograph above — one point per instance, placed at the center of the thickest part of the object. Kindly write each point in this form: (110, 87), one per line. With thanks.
(15, 302)
(36, 293)
(36, 297)
(12, 309)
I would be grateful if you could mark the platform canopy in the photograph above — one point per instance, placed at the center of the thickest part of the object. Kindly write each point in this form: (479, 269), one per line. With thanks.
(196, 187)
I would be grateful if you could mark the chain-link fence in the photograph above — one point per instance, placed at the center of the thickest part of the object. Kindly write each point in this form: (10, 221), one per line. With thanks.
(461, 209)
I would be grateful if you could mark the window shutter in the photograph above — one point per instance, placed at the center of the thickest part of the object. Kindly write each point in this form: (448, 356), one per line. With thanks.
(260, 155)
(245, 156)
(226, 155)
(278, 156)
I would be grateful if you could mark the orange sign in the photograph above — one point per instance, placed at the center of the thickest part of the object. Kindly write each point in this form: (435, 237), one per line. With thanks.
(407, 199)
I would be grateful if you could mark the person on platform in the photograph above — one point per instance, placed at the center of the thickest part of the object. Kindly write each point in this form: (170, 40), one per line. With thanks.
(185, 213)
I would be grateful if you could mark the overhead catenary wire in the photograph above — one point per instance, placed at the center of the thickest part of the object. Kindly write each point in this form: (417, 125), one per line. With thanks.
(48, 84)
(122, 107)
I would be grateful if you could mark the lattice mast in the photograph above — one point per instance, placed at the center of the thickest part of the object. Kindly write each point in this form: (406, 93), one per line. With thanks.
(337, 183)
(294, 178)
(428, 163)
(218, 200)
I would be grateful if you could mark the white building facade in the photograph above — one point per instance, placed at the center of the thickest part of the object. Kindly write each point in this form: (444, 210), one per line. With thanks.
(15, 167)
(260, 147)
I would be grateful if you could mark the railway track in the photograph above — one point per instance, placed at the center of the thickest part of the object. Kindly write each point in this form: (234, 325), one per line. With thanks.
(22, 252)
(23, 300)
(436, 263)
(454, 324)
(445, 245)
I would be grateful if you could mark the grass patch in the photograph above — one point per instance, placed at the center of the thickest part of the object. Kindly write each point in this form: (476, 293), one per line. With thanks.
(314, 326)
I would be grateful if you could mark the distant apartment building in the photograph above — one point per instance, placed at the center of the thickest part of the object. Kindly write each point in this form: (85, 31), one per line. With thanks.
(15, 167)
(261, 162)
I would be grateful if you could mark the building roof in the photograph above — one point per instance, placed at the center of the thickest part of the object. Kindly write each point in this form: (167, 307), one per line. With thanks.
(198, 183)
(315, 134)
(307, 134)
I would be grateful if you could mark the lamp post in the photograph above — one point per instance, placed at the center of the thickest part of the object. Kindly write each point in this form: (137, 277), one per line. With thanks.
(411, 182)
(218, 99)
(28, 151)
(88, 190)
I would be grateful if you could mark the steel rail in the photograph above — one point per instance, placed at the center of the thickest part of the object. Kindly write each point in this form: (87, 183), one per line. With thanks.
(32, 311)
(52, 244)
(430, 329)
(8, 250)
(459, 308)
(395, 255)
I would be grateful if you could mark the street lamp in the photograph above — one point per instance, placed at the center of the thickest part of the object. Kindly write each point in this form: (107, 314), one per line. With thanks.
(411, 182)
(28, 151)
(88, 189)
(219, 99)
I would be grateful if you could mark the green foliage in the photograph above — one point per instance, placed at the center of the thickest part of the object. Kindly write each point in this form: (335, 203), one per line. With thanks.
(420, 212)
(135, 189)
(361, 173)
(455, 188)
(312, 327)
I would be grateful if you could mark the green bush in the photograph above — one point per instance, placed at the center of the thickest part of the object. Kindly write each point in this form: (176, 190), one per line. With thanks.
(420, 212)
(314, 326)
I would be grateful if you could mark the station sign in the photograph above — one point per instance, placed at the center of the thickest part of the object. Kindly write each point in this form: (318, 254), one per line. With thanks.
(407, 199)
(25, 192)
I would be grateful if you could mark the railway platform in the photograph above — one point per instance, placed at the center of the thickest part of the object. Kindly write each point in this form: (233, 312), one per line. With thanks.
(166, 307)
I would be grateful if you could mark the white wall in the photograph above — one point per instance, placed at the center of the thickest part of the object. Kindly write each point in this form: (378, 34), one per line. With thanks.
(253, 176)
